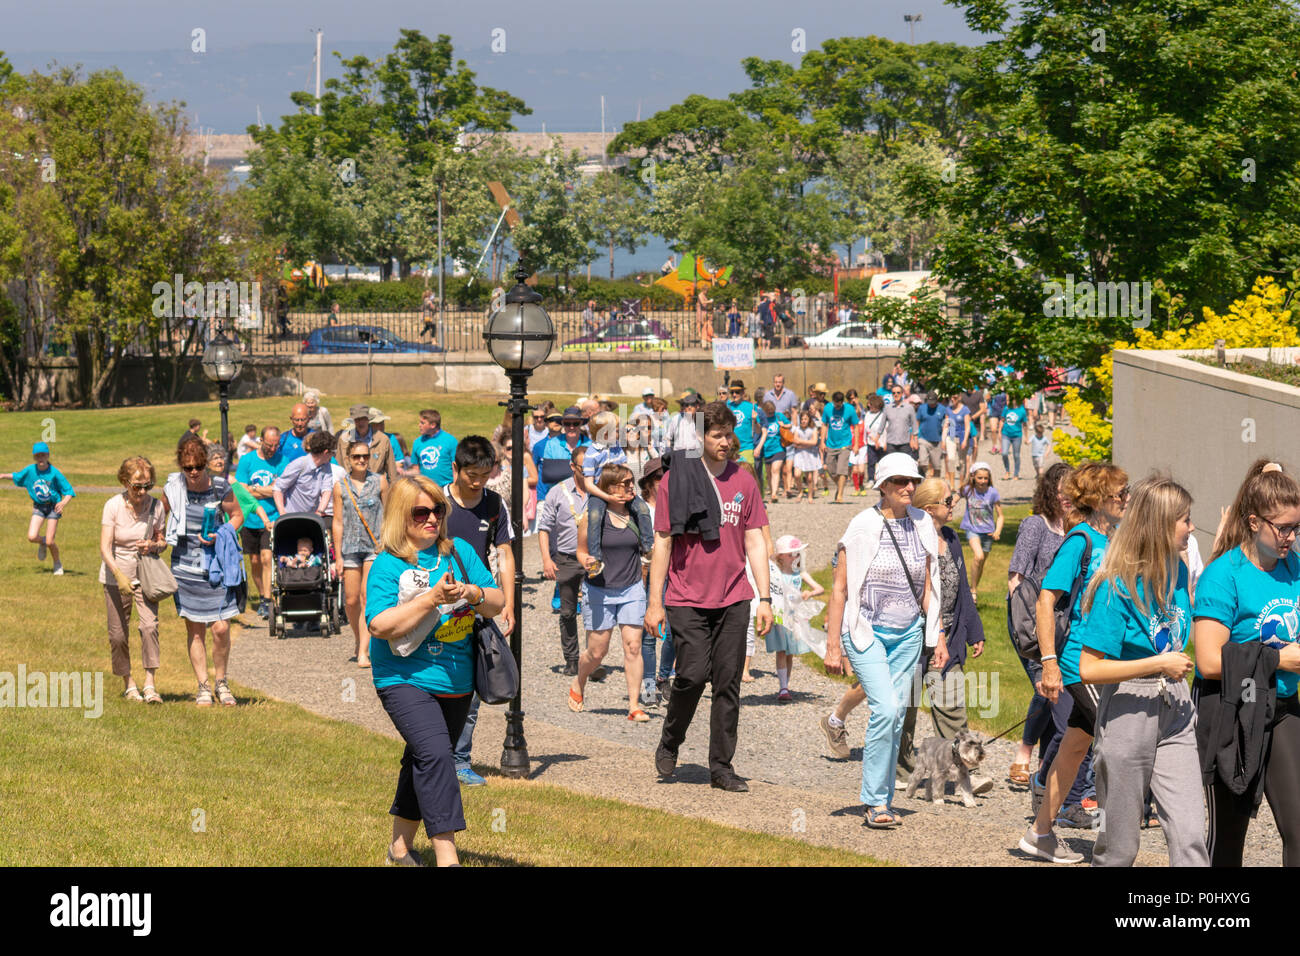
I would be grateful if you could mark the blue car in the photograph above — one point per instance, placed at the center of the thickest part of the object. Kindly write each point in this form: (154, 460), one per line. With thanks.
(351, 339)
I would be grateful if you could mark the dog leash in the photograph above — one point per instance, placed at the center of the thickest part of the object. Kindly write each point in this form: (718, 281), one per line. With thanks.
(1017, 723)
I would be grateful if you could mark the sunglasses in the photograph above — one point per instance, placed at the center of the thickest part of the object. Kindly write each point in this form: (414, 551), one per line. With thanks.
(360, 457)
(192, 469)
(627, 483)
(947, 502)
(137, 486)
(900, 482)
(420, 514)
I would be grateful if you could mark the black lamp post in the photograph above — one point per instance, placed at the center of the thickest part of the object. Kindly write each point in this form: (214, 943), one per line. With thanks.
(519, 336)
(221, 363)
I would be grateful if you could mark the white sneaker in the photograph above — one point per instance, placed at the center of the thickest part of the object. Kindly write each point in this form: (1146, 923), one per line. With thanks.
(40, 550)
(58, 568)
(1048, 848)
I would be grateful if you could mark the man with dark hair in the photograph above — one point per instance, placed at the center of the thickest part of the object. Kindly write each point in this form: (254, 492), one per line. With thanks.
(479, 517)
(702, 559)
(193, 430)
(307, 482)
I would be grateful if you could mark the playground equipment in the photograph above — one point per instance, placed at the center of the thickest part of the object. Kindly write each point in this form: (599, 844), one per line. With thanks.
(691, 276)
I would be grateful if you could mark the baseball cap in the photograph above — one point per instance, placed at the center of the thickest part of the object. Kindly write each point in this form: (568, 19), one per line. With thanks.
(647, 392)
(689, 397)
(40, 448)
(359, 411)
(573, 413)
(377, 416)
(788, 544)
(896, 465)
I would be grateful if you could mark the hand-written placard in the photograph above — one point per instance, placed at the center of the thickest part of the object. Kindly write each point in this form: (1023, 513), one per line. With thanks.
(733, 353)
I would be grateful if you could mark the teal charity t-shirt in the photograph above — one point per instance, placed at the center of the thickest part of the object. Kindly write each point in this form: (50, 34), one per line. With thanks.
(43, 486)
(772, 435)
(839, 425)
(434, 455)
(1116, 628)
(1060, 577)
(444, 662)
(255, 471)
(744, 412)
(1013, 422)
(1254, 605)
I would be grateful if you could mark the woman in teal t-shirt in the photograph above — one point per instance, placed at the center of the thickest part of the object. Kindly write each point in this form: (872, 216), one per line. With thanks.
(417, 584)
(1250, 591)
(1137, 618)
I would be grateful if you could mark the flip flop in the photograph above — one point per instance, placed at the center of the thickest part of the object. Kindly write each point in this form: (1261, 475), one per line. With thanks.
(575, 701)
(638, 716)
(1019, 774)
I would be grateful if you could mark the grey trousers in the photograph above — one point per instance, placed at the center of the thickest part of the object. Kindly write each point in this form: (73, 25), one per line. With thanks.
(1143, 743)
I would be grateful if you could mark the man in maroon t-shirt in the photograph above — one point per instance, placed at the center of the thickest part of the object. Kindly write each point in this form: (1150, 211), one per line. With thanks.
(708, 598)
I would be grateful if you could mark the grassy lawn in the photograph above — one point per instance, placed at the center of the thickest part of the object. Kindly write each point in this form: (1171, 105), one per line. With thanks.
(266, 783)
(88, 445)
(1003, 689)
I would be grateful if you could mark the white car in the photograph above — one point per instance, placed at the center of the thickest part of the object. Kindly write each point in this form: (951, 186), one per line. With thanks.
(852, 335)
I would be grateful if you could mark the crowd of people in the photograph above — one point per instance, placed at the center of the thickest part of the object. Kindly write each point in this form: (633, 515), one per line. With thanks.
(656, 526)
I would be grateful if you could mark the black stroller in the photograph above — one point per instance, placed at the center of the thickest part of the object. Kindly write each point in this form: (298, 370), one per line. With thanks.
(304, 601)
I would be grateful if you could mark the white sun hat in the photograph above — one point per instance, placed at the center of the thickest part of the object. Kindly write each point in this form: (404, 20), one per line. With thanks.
(788, 544)
(896, 465)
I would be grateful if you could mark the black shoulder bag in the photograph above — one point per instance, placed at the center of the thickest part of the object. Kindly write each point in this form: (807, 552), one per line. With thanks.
(1022, 607)
(496, 676)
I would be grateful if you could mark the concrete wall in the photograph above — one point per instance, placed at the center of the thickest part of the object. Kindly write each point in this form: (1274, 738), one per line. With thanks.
(575, 372)
(1202, 425)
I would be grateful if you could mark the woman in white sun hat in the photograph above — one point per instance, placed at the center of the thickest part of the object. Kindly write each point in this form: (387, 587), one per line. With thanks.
(885, 599)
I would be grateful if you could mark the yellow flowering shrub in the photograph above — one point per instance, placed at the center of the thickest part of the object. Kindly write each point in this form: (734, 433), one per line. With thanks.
(1262, 319)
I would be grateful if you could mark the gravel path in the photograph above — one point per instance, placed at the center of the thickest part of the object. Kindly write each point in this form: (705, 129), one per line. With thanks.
(797, 789)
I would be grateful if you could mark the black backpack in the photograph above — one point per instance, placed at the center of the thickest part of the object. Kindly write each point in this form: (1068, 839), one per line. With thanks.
(1022, 607)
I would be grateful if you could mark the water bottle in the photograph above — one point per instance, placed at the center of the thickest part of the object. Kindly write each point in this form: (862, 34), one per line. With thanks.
(209, 519)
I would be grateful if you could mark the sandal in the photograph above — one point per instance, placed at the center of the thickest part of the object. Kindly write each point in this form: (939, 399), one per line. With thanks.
(223, 693)
(1019, 774)
(575, 701)
(204, 697)
(881, 818)
(132, 693)
(638, 716)
(151, 695)
(1151, 823)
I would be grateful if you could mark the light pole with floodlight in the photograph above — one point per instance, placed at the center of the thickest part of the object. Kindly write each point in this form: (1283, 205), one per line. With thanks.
(519, 337)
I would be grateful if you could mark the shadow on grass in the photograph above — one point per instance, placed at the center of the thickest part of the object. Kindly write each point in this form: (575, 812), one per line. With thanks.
(539, 764)
(470, 858)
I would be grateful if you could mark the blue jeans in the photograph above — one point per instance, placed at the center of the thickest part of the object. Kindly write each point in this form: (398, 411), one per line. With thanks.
(885, 671)
(667, 656)
(1012, 445)
(465, 743)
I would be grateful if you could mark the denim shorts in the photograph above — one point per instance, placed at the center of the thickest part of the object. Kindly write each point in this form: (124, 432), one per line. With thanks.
(985, 539)
(602, 608)
(357, 559)
(45, 509)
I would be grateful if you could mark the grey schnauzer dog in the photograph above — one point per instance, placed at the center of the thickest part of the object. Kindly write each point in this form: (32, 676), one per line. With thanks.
(939, 760)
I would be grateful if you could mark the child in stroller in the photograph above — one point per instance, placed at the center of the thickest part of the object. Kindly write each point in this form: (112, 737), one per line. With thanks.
(305, 557)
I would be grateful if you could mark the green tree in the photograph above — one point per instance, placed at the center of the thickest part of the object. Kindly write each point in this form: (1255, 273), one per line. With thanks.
(612, 215)
(1155, 142)
(551, 235)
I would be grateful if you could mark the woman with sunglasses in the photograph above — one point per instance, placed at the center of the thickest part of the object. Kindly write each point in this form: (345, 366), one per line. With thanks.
(427, 692)
(1248, 593)
(196, 501)
(616, 596)
(1137, 618)
(356, 526)
(886, 600)
(1099, 494)
(132, 526)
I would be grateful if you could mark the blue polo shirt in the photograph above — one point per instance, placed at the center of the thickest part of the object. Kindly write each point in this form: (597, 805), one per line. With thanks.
(929, 424)
(552, 455)
(435, 454)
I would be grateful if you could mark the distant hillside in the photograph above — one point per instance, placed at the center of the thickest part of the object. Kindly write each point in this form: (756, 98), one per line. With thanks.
(224, 87)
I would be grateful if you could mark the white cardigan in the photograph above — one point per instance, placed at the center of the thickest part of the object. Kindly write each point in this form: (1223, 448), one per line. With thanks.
(860, 542)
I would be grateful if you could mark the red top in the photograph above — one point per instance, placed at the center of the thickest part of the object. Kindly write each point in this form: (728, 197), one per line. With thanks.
(711, 574)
